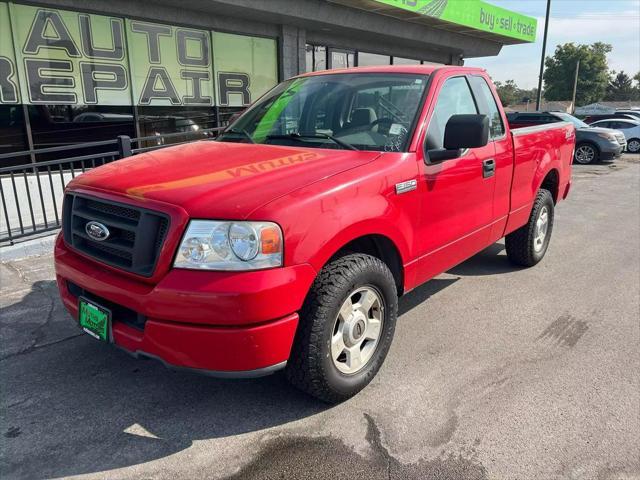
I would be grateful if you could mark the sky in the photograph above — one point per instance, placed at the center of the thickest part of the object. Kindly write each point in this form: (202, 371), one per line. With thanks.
(616, 22)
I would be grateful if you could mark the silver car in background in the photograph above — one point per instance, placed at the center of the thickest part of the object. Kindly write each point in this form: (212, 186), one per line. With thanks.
(630, 129)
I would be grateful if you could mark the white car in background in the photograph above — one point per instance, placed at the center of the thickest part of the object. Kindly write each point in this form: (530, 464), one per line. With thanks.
(630, 128)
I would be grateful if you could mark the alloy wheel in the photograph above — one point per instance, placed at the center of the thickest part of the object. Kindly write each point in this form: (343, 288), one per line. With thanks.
(357, 330)
(542, 225)
(585, 154)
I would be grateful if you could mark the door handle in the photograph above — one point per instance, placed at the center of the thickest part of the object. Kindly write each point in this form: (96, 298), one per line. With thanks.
(488, 168)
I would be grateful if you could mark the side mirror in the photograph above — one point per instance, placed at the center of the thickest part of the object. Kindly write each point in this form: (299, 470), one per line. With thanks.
(461, 132)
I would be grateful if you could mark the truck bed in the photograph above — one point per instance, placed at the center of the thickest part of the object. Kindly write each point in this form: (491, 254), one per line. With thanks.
(533, 153)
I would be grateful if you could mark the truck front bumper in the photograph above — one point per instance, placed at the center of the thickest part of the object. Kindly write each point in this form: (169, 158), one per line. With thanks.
(221, 323)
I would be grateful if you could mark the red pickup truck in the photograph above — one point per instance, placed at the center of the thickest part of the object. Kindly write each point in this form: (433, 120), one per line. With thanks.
(286, 243)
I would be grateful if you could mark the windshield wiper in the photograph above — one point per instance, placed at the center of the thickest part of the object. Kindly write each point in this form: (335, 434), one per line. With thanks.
(239, 131)
(298, 135)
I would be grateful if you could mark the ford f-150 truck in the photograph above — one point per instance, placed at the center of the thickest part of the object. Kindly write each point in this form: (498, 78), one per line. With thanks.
(286, 243)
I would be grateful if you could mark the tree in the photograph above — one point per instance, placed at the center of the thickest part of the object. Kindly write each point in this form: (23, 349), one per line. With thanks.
(636, 87)
(508, 92)
(620, 87)
(511, 94)
(594, 73)
(528, 95)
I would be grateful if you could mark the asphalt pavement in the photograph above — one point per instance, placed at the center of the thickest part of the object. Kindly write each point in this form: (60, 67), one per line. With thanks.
(495, 373)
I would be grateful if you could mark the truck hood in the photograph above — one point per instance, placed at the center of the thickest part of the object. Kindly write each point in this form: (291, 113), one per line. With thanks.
(220, 180)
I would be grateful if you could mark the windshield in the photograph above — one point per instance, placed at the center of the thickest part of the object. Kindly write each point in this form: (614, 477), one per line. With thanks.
(570, 118)
(363, 111)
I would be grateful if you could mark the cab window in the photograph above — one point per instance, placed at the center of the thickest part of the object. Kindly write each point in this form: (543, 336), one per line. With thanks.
(454, 99)
(488, 106)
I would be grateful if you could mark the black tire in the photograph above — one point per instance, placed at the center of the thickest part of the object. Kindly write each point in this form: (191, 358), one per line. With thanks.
(310, 367)
(594, 153)
(520, 244)
(633, 145)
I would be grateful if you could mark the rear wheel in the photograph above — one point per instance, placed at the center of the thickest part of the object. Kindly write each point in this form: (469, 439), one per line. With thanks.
(586, 153)
(527, 245)
(346, 328)
(633, 145)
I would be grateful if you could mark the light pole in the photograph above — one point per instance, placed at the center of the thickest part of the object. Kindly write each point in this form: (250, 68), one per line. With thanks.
(575, 88)
(544, 48)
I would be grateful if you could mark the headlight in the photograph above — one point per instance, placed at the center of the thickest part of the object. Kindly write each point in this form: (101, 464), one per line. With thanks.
(608, 136)
(219, 245)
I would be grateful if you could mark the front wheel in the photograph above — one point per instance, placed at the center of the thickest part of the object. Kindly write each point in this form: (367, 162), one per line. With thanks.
(527, 245)
(586, 154)
(633, 146)
(346, 328)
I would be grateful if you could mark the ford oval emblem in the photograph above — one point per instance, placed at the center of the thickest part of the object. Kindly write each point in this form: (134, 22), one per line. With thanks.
(96, 231)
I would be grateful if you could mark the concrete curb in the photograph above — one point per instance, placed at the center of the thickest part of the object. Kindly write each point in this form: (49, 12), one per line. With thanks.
(30, 248)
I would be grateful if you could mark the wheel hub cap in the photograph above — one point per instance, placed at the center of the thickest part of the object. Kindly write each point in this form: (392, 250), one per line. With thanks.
(542, 225)
(584, 154)
(357, 330)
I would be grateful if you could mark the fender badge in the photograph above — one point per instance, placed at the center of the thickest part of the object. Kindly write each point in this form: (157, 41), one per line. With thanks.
(404, 187)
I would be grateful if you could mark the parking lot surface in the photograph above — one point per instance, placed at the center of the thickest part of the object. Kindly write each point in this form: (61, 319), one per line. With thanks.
(495, 372)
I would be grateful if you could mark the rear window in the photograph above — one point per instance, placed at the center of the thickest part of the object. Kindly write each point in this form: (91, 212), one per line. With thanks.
(534, 118)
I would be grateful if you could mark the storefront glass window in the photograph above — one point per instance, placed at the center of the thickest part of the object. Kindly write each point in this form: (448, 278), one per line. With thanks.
(89, 78)
(187, 123)
(309, 58)
(405, 61)
(56, 125)
(12, 130)
(316, 58)
(320, 58)
(369, 59)
(342, 59)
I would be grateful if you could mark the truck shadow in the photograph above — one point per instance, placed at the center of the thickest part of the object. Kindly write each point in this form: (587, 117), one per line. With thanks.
(422, 293)
(72, 405)
(490, 261)
(77, 406)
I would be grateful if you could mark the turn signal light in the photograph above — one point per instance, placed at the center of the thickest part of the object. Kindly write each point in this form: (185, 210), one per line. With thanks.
(270, 240)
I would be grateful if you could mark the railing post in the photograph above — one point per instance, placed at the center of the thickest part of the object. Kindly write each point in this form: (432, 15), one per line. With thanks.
(124, 146)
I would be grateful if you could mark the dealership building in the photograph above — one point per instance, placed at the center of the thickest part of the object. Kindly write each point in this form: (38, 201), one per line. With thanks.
(75, 71)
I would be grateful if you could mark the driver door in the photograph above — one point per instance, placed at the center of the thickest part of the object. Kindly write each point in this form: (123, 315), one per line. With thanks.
(457, 194)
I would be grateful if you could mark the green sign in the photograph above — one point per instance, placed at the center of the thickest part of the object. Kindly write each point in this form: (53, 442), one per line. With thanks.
(475, 14)
(51, 56)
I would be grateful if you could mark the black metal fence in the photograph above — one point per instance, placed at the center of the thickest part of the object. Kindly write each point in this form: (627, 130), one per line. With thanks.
(31, 193)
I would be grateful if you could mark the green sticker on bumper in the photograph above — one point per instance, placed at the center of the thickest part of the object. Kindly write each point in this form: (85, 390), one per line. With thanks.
(94, 319)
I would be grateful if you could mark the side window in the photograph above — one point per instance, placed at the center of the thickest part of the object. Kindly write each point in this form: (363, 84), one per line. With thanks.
(454, 98)
(488, 106)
